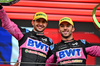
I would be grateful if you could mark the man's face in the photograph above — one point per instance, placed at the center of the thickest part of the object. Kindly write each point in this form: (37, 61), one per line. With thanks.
(39, 25)
(66, 29)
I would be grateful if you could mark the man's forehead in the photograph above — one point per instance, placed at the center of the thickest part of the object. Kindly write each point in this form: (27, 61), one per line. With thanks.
(42, 19)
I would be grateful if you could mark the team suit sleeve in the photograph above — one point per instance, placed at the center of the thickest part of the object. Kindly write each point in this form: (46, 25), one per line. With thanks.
(92, 49)
(10, 26)
(50, 51)
(51, 59)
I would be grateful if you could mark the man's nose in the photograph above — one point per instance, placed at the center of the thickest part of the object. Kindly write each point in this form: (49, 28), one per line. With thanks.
(65, 27)
(41, 23)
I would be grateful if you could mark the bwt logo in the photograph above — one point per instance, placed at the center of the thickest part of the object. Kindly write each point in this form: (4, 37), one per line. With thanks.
(69, 53)
(37, 44)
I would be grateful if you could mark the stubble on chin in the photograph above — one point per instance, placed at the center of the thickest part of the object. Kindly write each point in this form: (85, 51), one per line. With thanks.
(65, 36)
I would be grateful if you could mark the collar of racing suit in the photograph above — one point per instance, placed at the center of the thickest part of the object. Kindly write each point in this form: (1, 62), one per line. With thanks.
(66, 41)
(38, 33)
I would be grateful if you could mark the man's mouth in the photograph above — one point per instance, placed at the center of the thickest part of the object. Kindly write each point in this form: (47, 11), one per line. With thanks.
(65, 32)
(40, 27)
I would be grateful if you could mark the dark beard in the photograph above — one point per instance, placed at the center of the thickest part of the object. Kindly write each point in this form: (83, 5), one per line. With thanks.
(38, 31)
(65, 36)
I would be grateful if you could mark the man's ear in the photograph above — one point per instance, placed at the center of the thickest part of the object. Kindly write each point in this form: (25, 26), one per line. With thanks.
(73, 29)
(58, 30)
(46, 24)
(32, 23)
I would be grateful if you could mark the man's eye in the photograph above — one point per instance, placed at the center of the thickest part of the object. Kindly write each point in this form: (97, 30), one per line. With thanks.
(38, 20)
(44, 21)
(68, 25)
(62, 25)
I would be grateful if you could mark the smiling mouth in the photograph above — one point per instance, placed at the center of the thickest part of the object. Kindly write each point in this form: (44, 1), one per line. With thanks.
(40, 27)
(65, 32)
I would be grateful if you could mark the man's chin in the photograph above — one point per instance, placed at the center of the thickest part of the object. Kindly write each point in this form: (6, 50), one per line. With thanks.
(40, 30)
(65, 36)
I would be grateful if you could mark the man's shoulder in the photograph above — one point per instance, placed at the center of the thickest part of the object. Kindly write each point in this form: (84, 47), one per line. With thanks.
(51, 41)
(23, 30)
(83, 41)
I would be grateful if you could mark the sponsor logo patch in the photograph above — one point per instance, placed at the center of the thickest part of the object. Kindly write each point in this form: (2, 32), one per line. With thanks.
(71, 61)
(34, 52)
(37, 44)
(69, 53)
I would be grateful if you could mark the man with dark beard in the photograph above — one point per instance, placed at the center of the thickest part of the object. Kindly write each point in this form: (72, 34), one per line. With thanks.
(34, 45)
(70, 52)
